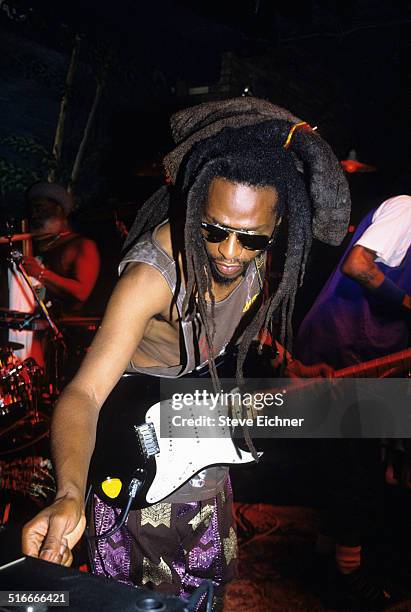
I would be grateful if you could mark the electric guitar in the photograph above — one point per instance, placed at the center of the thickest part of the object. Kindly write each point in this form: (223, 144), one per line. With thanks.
(129, 448)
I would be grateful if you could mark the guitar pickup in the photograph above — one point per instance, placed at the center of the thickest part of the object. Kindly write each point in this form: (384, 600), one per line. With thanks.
(147, 438)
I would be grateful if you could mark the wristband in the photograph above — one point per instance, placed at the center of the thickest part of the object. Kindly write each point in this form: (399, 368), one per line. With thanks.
(390, 292)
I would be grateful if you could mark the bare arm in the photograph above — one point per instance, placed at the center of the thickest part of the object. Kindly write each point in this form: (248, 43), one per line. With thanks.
(361, 267)
(86, 270)
(296, 369)
(76, 412)
(123, 326)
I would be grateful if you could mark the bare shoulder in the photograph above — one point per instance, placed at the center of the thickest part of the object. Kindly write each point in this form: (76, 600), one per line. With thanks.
(88, 246)
(80, 245)
(88, 242)
(145, 284)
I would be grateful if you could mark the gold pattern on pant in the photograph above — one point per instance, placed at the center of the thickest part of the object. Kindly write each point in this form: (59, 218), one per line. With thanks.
(156, 574)
(203, 516)
(159, 514)
(230, 546)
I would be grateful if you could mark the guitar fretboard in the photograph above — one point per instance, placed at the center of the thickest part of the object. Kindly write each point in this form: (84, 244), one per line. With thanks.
(378, 368)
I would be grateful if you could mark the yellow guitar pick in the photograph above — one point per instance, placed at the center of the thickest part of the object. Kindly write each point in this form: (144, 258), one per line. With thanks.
(112, 487)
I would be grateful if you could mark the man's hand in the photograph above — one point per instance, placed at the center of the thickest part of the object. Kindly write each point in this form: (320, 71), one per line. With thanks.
(296, 369)
(32, 266)
(52, 533)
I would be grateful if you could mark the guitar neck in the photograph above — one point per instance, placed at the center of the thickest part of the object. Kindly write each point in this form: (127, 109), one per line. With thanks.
(377, 368)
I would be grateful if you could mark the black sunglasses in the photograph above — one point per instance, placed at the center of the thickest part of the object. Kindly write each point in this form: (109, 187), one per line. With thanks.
(248, 239)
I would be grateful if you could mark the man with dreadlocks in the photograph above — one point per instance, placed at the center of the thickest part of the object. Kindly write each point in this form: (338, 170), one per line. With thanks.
(200, 246)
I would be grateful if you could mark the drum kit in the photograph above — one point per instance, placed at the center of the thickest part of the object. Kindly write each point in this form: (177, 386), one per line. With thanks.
(28, 391)
(21, 421)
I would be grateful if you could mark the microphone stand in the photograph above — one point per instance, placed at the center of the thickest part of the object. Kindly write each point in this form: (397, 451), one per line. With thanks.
(16, 258)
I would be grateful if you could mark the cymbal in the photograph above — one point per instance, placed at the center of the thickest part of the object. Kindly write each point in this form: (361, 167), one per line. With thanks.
(11, 346)
(22, 324)
(15, 238)
(14, 319)
(16, 314)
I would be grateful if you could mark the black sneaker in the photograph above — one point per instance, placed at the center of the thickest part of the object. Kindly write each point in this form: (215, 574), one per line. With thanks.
(357, 591)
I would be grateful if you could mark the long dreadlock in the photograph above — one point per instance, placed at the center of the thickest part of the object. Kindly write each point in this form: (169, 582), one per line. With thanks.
(252, 155)
(311, 189)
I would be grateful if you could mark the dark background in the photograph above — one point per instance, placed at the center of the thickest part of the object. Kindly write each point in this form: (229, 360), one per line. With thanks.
(343, 66)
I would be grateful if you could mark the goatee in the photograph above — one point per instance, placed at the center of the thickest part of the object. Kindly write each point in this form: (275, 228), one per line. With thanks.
(221, 279)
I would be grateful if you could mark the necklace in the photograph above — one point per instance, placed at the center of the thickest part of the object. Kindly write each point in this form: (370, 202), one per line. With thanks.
(259, 263)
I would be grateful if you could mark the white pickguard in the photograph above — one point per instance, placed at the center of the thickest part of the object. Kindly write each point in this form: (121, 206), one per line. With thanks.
(182, 457)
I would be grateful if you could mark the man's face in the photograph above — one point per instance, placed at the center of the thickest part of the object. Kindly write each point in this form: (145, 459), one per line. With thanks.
(238, 207)
(47, 218)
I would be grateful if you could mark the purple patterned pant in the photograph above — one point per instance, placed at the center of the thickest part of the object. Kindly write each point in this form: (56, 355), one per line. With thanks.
(169, 547)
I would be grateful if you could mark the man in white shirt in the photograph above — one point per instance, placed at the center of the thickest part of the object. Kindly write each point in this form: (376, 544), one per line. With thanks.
(363, 312)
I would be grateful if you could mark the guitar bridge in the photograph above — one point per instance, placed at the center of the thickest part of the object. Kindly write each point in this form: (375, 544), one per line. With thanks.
(147, 438)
